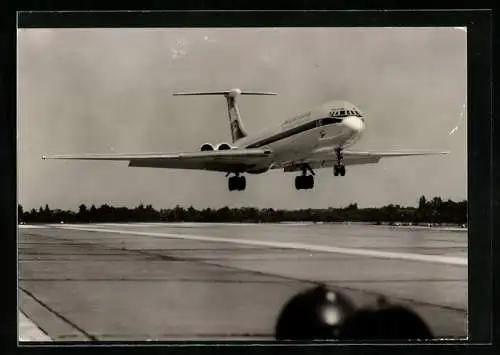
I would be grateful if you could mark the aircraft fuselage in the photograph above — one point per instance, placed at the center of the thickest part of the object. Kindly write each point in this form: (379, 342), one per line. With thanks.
(337, 124)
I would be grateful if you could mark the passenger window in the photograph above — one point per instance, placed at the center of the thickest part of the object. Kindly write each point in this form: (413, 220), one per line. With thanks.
(342, 113)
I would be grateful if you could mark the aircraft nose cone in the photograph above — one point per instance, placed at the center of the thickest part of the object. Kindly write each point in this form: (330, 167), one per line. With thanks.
(354, 123)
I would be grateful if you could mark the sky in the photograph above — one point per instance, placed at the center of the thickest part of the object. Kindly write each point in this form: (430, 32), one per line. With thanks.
(109, 91)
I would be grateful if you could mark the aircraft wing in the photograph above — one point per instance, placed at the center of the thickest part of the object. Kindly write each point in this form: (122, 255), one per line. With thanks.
(323, 160)
(360, 157)
(351, 153)
(233, 160)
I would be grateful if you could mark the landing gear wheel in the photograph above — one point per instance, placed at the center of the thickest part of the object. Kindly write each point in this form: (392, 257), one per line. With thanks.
(339, 170)
(237, 183)
(242, 183)
(304, 182)
(298, 182)
(309, 182)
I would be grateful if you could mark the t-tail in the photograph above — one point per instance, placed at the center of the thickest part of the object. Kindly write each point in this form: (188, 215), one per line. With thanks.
(237, 128)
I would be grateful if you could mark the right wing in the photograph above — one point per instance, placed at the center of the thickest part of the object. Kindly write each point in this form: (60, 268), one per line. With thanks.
(233, 160)
(327, 159)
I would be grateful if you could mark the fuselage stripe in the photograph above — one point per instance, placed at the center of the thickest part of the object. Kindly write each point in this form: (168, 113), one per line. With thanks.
(295, 130)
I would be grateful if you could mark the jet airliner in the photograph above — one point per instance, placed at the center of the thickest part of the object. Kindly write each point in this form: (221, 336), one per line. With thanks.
(318, 138)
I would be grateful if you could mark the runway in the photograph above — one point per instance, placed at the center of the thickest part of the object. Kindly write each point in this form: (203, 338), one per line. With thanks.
(195, 281)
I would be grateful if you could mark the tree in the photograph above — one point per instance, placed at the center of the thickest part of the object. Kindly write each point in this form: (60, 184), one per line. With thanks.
(92, 213)
(20, 213)
(422, 204)
(82, 209)
(434, 210)
(352, 206)
(32, 215)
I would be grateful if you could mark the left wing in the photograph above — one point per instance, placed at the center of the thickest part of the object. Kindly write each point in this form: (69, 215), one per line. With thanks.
(323, 160)
(219, 160)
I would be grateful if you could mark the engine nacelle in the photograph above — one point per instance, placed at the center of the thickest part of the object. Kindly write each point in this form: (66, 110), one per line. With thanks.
(206, 147)
(223, 146)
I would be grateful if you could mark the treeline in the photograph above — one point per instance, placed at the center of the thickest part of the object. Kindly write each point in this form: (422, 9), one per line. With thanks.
(435, 211)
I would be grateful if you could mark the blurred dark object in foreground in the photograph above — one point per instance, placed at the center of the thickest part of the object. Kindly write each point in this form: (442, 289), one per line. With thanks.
(315, 313)
(321, 313)
(392, 322)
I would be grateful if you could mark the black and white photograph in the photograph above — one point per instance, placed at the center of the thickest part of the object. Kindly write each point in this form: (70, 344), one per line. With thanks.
(242, 184)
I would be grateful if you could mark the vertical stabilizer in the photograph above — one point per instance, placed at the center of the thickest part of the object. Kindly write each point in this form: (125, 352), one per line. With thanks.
(235, 123)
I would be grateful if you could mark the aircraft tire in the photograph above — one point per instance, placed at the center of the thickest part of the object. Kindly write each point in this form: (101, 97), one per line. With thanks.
(230, 184)
(238, 183)
(309, 182)
(342, 170)
(242, 183)
(299, 183)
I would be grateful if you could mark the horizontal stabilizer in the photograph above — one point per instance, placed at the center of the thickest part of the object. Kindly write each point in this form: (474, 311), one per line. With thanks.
(232, 93)
(235, 123)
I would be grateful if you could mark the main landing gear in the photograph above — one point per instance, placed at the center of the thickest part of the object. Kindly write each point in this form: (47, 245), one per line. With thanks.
(339, 168)
(304, 181)
(237, 182)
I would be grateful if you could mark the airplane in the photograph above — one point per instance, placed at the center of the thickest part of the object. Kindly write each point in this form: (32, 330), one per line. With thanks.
(316, 139)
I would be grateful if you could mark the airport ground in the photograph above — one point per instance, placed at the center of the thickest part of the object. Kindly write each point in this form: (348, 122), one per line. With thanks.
(198, 281)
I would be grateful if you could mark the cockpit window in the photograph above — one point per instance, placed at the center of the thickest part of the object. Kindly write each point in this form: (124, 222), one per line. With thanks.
(345, 112)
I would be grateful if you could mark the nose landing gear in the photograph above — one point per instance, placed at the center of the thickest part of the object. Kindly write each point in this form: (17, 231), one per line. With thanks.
(339, 168)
